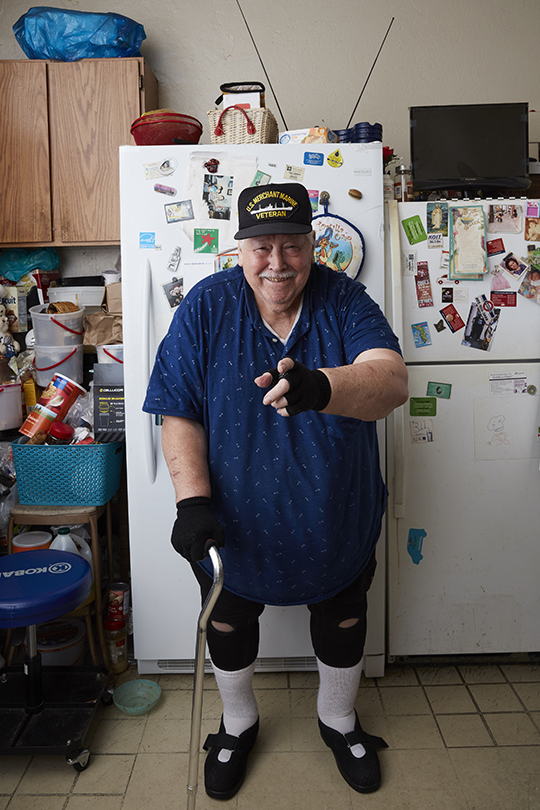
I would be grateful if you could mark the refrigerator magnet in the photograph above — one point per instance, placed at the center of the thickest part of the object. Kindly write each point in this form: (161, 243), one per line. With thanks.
(452, 318)
(513, 266)
(260, 179)
(530, 285)
(438, 389)
(168, 190)
(424, 296)
(423, 406)
(437, 218)
(440, 325)
(414, 230)
(532, 229)
(485, 308)
(294, 173)
(435, 240)
(421, 334)
(494, 247)
(174, 260)
(415, 542)
(421, 431)
(409, 262)
(507, 298)
(532, 209)
(335, 159)
(174, 291)
(313, 158)
(313, 195)
(504, 218)
(478, 333)
(206, 240)
(178, 211)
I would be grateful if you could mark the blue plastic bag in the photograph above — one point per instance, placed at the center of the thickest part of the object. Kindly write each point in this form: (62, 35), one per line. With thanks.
(67, 36)
(17, 262)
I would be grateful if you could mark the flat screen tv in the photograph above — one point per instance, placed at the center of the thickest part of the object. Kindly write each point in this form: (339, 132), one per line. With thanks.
(477, 147)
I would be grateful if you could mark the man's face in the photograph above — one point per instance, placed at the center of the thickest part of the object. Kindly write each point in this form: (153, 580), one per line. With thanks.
(277, 268)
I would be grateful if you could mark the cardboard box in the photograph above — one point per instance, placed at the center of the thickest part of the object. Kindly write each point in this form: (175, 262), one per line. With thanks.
(112, 299)
(17, 314)
(109, 407)
(313, 135)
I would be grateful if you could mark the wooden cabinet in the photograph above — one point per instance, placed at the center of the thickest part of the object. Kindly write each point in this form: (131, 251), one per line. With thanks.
(61, 124)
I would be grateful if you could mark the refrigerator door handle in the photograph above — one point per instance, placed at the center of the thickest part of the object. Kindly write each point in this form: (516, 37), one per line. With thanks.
(397, 326)
(147, 429)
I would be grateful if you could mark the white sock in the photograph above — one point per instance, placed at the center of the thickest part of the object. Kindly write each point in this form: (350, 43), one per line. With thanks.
(240, 710)
(335, 701)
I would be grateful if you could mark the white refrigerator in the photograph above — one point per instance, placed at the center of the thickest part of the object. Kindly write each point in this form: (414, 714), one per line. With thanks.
(178, 203)
(463, 462)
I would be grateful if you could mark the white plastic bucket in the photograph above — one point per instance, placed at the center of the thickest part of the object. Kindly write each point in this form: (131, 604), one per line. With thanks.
(60, 329)
(110, 353)
(51, 360)
(10, 405)
(31, 541)
(61, 642)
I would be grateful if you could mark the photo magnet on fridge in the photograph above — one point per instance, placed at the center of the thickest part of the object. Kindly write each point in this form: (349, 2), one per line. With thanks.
(437, 218)
(513, 266)
(178, 211)
(478, 333)
(504, 219)
(532, 229)
(174, 291)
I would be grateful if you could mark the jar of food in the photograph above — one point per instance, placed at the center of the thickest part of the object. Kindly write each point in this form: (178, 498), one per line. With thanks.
(59, 433)
(403, 187)
(116, 638)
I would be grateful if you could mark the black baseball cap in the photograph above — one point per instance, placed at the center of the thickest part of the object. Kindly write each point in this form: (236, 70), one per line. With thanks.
(274, 208)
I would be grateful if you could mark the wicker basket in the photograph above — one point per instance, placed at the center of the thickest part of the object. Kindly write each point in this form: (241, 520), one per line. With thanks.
(236, 125)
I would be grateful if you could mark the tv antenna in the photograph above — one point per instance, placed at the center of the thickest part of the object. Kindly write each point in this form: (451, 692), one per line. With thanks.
(370, 72)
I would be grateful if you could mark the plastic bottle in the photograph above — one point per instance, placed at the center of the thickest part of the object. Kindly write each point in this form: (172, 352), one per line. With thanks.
(64, 541)
(403, 187)
(116, 638)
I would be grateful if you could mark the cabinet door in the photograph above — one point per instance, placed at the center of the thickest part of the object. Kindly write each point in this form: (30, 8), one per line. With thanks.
(25, 185)
(92, 106)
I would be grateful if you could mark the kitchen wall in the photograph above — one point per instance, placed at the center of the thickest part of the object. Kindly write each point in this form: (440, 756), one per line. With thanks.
(318, 55)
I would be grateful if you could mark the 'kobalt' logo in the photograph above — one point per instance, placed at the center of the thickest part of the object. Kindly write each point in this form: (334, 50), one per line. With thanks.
(55, 568)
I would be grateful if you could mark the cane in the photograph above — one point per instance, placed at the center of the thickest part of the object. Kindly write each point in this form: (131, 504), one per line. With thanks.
(198, 678)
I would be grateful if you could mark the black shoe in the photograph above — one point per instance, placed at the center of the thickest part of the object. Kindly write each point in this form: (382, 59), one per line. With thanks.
(223, 779)
(364, 774)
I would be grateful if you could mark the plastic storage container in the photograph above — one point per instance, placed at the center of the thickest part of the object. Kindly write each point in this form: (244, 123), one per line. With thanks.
(60, 329)
(31, 541)
(76, 475)
(110, 353)
(61, 642)
(11, 415)
(51, 360)
(88, 298)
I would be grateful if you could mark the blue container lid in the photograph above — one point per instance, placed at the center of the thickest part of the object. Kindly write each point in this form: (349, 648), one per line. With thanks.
(40, 585)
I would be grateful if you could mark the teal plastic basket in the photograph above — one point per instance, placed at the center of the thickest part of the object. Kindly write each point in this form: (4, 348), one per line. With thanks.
(67, 475)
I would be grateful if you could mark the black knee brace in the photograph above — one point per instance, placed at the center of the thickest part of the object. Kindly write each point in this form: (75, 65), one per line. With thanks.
(234, 649)
(337, 646)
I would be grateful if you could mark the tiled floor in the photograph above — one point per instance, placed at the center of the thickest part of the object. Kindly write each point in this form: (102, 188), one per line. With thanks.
(461, 738)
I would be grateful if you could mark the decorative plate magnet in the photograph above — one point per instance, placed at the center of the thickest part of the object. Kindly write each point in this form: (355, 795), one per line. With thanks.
(211, 165)
(338, 243)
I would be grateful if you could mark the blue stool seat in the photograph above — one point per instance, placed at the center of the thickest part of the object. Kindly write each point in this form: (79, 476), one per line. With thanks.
(37, 586)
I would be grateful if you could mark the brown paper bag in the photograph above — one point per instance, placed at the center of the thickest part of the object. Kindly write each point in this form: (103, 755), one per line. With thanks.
(112, 298)
(102, 329)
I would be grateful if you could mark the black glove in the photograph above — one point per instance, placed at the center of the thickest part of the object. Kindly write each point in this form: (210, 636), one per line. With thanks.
(194, 526)
(309, 390)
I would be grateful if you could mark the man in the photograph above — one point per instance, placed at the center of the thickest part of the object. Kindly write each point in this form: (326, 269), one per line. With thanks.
(269, 380)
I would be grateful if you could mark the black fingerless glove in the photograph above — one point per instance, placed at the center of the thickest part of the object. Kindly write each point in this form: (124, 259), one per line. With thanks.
(194, 526)
(309, 390)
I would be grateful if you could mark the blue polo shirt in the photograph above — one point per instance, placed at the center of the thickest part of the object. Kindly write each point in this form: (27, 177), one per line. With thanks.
(301, 498)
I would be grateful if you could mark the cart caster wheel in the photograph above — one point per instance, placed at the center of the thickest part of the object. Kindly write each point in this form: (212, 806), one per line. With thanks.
(81, 761)
(107, 696)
